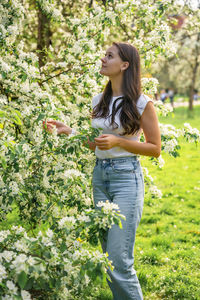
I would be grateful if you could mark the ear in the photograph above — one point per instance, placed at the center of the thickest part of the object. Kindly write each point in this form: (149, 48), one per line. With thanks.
(124, 65)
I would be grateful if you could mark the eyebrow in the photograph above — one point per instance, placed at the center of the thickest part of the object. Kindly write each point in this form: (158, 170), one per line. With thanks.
(110, 52)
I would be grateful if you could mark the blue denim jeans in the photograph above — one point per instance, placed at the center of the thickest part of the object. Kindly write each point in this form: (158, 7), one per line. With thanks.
(120, 180)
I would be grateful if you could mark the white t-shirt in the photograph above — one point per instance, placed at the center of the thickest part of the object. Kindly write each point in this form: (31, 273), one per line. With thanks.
(104, 123)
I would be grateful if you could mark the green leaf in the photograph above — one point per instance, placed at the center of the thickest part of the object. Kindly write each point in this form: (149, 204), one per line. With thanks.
(22, 279)
(24, 77)
(29, 284)
(17, 298)
(17, 120)
(40, 117)
(3, 161)
(50, 145)
(2, 114)
(19, 148)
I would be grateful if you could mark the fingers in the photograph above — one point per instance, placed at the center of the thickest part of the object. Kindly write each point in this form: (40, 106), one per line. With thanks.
(101, 137)
(98, 139)
(102, 148)
(47, 126)
(51, 122)
(100, 145)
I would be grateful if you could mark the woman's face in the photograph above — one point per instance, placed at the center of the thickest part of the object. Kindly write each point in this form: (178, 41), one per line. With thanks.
(111, 63)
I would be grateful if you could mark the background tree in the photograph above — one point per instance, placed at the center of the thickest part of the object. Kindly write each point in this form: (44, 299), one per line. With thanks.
(182, 71)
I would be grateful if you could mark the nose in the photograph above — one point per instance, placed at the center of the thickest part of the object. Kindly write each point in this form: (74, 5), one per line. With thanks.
(103, 59)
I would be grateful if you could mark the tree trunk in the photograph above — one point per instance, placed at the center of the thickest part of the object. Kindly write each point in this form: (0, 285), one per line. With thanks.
(44, 36)
(194, 75)
(191, 94)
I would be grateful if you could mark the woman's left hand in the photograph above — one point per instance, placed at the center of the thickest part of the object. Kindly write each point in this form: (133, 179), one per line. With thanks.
(106, 141)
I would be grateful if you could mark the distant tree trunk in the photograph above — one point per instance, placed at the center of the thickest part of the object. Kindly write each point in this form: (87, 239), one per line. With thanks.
(191, 94)
(44, 36)
(194, 74)
(90, 4)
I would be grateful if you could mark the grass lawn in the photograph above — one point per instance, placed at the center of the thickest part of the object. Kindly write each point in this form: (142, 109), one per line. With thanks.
(167, 255)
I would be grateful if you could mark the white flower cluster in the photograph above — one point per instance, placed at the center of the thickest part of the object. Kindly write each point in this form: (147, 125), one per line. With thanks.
(11, 17)
(169, 136)
(191, 134)
(19, 263)
(107, 206)
(170, 145)
(149, 85)
(50, 9)
(155, 192)
(66, 220)
(169, 131)
(152, 188)
(163, 109)
(158, 161)
(161, 162)
(72, 174)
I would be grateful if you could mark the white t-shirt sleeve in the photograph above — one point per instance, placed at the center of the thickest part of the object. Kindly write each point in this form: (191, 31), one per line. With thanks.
(142, 102)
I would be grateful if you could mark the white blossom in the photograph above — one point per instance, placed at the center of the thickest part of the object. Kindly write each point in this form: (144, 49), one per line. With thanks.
(155, 191)
(14, 187)
(2, 272)
(7, 255)
(66, 220)
(107, 206)
(25, 295)
(3, 235)
(11, 286)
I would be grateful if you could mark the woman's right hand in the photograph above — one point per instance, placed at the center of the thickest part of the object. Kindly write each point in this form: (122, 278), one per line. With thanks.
(61, 127)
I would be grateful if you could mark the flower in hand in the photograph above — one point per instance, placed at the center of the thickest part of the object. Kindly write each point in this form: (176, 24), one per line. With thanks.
(106, 141)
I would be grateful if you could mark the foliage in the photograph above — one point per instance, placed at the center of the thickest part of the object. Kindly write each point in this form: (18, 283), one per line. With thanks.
(55, 264)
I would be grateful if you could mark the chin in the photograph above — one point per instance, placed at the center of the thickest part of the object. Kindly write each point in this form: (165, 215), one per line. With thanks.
(102, 72)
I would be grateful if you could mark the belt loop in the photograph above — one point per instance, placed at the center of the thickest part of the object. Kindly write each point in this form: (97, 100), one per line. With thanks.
(111, 161)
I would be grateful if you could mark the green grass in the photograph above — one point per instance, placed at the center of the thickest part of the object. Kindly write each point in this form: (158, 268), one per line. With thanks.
(182, 115)
(167, 256)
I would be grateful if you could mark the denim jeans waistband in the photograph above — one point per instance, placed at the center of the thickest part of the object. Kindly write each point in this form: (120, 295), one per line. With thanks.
(116, 159)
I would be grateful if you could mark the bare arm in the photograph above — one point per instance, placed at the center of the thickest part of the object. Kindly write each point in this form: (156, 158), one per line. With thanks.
(152, 144)
(64, 129)
(61, 127)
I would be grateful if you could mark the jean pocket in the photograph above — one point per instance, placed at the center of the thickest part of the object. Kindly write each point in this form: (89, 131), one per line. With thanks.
(124, 167)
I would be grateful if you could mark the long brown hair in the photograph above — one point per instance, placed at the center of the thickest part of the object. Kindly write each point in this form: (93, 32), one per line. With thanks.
(131, 89)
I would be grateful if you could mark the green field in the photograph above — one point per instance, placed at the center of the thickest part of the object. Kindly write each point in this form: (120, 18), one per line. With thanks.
(167, 255)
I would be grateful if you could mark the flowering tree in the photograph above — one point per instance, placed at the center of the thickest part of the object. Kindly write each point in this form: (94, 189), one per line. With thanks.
(183, 69)
(46, 179)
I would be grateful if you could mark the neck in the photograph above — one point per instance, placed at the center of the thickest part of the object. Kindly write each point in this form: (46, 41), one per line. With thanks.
(116, 84)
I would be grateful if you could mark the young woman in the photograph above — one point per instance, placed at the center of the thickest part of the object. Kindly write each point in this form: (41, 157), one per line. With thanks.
(122, 111)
